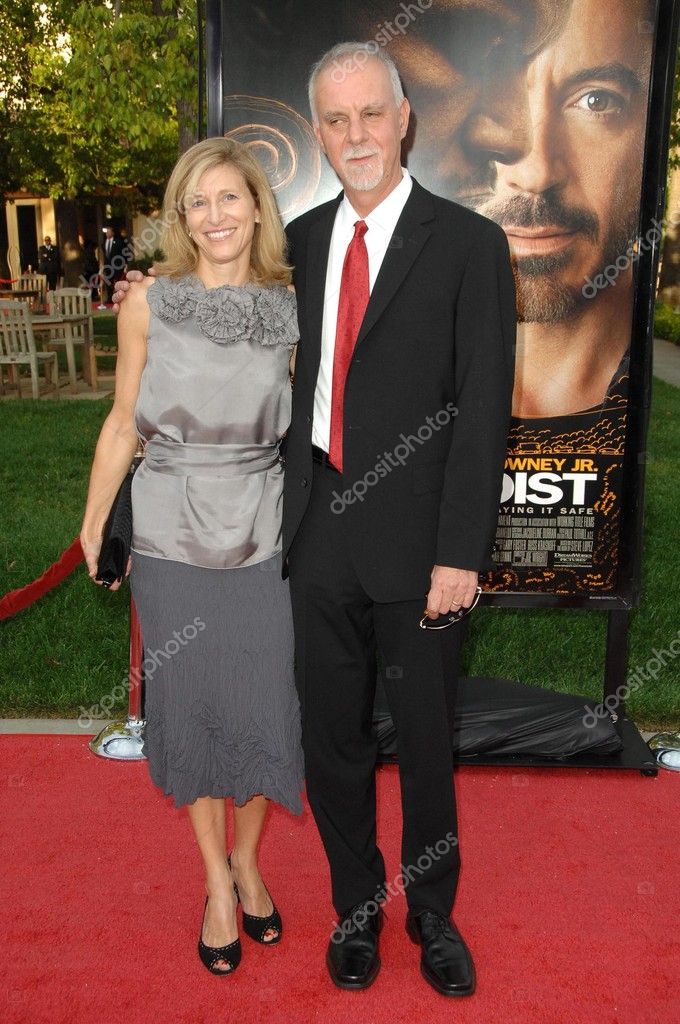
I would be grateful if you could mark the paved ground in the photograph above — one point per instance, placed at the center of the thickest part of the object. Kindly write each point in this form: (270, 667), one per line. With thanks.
(51, 726)
(70, 726)
(667, 361)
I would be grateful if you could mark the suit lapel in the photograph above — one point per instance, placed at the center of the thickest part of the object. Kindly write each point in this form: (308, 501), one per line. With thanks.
(318, 249)
(410, 234)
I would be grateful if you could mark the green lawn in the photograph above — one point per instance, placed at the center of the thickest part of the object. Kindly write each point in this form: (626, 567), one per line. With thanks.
(70, 649)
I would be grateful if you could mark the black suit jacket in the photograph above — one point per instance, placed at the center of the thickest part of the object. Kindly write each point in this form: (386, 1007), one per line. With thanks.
(118, 248)
(49, 260)
(427, 399)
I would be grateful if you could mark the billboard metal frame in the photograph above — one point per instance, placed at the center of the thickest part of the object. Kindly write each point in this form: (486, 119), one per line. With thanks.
(619, 604)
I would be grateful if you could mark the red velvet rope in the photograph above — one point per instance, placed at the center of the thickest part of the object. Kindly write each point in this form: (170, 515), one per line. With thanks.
(16, 600)
(8, 280)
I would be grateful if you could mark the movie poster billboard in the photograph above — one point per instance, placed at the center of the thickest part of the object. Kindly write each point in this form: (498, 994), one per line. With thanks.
(535, 113)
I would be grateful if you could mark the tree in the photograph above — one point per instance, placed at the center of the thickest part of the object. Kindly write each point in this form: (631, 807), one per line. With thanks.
(89, 94)
(674, 140)
(22, 32)
(96, 100)
(128, 76)
(670, 246)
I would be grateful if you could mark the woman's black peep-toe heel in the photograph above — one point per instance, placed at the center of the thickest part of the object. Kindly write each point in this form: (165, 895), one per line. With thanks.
(257, 927)
(212, 955)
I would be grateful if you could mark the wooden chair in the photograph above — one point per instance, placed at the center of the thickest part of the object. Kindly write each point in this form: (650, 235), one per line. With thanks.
(75, 302)
(17, 347)
(102, 352)
(35, 282)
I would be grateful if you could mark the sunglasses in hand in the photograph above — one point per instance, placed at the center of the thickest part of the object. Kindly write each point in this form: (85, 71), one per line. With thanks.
(449, 618)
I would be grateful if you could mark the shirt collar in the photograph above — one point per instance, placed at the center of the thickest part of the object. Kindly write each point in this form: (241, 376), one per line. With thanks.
(386, 214)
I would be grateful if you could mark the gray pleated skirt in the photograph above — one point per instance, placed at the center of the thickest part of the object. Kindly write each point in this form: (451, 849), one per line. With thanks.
(222, 713)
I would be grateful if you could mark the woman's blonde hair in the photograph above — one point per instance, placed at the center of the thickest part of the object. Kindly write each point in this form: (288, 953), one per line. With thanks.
(268, 254)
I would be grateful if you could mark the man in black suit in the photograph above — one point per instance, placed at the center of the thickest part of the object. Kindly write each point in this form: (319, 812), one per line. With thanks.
(114, 262)
(394, 461)
(49, 263)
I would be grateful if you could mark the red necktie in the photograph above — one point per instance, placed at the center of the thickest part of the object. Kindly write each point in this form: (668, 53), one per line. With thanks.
(351, 308)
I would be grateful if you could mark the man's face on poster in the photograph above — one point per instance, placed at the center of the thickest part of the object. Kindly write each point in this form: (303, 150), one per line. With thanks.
(569, 201)
(464, 63)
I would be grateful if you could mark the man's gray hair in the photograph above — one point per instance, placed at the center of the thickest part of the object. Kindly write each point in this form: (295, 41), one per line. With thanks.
(346, 58)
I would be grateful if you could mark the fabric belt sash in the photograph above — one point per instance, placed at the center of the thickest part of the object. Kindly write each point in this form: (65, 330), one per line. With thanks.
(219, 460)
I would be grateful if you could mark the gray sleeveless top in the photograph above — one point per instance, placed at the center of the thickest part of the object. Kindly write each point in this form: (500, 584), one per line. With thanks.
(213, 404)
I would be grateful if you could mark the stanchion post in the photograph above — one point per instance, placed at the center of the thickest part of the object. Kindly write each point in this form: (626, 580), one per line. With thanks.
(123, 741)
(616, 658)
(136, 694)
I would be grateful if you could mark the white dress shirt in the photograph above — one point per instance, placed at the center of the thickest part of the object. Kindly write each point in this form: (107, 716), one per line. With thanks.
(381, 223)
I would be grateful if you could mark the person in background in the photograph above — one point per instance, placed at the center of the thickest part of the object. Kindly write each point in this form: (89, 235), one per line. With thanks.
(113, 268)
(91, 266)
(128, 251)
(49, 263)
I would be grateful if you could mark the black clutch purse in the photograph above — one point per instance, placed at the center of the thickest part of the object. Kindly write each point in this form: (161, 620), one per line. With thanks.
(117, 538)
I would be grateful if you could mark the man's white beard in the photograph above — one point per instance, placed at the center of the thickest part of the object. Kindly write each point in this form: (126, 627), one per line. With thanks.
(363, 179)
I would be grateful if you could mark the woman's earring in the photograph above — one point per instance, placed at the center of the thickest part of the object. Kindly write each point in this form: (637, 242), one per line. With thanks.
(189, 234)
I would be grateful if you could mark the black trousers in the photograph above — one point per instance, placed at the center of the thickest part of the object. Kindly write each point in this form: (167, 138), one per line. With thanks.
(338, 631)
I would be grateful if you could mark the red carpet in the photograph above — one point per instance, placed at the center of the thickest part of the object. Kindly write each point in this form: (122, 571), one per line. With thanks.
(569, 879)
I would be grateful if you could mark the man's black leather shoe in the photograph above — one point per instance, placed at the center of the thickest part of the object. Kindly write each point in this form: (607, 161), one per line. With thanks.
(352, 956)
(445, 960)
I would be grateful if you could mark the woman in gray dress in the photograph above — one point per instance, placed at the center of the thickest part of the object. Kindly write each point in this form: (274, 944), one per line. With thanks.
(203, 378)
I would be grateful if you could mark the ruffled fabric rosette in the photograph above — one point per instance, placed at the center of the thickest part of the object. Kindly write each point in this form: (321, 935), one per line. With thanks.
(229, 313)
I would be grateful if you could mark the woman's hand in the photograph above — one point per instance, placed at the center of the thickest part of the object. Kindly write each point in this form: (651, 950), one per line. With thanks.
(91, 549)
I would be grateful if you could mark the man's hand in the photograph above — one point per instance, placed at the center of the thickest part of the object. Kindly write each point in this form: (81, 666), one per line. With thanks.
(122, 286)
(450, 589)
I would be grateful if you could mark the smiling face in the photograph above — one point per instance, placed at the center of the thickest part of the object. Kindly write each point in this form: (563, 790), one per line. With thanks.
(569, 204)
(360, 127)
(221, 215)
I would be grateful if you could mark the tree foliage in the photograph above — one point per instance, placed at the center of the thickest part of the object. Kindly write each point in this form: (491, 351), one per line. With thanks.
(92, 95)
(674, 140)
